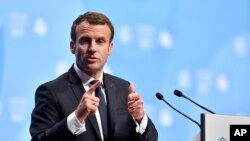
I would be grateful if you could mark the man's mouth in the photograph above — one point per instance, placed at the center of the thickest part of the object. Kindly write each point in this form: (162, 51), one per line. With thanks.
(92, 59)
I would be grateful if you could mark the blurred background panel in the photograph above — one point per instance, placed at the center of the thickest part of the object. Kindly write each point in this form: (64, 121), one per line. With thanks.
(199, 47)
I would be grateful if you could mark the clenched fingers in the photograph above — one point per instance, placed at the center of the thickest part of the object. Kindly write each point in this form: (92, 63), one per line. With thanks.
(135, 106)
(88, 103)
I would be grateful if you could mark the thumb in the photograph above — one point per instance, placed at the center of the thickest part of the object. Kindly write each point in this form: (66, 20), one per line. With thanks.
(131, 88)
(93, 87)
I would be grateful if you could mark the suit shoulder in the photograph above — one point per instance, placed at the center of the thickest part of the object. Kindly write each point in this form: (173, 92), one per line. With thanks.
(60, 81)
(115, 78)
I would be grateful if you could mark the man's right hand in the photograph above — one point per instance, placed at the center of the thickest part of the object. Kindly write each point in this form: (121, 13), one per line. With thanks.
(88, 104)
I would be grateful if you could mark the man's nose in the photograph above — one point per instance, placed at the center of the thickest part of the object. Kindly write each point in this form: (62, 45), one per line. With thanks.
(92, 46)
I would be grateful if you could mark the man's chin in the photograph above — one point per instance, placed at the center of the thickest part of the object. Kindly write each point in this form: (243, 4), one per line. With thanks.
(92, 68)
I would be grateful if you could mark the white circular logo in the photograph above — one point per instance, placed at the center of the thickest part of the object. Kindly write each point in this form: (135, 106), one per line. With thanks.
(222, 139)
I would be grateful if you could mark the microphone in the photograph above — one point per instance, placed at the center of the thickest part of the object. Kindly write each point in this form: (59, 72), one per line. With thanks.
(160, 97)
(180, 94)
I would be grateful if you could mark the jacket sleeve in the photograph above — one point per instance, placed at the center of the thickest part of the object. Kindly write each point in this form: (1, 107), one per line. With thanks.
(46, 123)
(150, 134)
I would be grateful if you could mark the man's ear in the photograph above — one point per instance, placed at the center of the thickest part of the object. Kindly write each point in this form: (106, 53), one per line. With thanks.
(72, 47)
(110, 48)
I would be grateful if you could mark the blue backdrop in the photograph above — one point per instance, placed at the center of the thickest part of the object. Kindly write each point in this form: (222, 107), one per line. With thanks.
(199, 47)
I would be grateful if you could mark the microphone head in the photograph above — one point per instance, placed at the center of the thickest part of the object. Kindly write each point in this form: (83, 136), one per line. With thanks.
(178, 93)
(159, 96)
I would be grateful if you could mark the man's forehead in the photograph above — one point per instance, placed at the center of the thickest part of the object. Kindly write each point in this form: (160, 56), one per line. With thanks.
(87, 27)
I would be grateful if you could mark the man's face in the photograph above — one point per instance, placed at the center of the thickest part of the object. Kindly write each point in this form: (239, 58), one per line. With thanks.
(92, 47)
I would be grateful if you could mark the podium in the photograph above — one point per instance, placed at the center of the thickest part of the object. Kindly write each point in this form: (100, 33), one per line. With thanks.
(216, 127)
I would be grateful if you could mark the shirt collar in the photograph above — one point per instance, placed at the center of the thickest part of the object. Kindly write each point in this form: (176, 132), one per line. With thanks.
(85, 78)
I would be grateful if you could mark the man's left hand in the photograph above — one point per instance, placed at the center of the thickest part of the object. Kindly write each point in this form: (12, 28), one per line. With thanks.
(135, 104)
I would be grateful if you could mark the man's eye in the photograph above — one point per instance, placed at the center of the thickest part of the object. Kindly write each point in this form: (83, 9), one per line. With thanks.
(100, 41)
(83, 41)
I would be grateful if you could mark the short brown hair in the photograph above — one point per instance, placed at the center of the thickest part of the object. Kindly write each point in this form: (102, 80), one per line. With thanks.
(94, 18)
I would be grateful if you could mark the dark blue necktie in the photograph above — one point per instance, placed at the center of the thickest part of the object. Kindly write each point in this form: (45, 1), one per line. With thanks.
(102, 109)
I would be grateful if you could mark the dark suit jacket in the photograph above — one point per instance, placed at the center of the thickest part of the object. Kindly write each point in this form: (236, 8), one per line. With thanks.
(56, 99)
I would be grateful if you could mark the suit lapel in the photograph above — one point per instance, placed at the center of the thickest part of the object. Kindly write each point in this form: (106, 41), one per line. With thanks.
(76, 84)
(93, 121)
(78, 90)
(110, 91)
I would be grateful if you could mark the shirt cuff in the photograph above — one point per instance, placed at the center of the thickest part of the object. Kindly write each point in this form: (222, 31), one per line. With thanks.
(74, 125)
(141, 128)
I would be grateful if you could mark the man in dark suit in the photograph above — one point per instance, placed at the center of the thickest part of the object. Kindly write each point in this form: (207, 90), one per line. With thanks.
(73, 107)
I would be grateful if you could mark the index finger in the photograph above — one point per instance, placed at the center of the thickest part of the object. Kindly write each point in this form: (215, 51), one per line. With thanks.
(93, 87)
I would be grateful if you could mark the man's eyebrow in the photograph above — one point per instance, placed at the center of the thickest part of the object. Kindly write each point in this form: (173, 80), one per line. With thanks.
(102, 37)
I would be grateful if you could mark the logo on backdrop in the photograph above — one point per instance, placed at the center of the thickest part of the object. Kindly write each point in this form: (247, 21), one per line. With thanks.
(222, 139)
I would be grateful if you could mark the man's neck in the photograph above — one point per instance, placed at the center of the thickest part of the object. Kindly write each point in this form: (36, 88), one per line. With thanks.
(86, 76)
